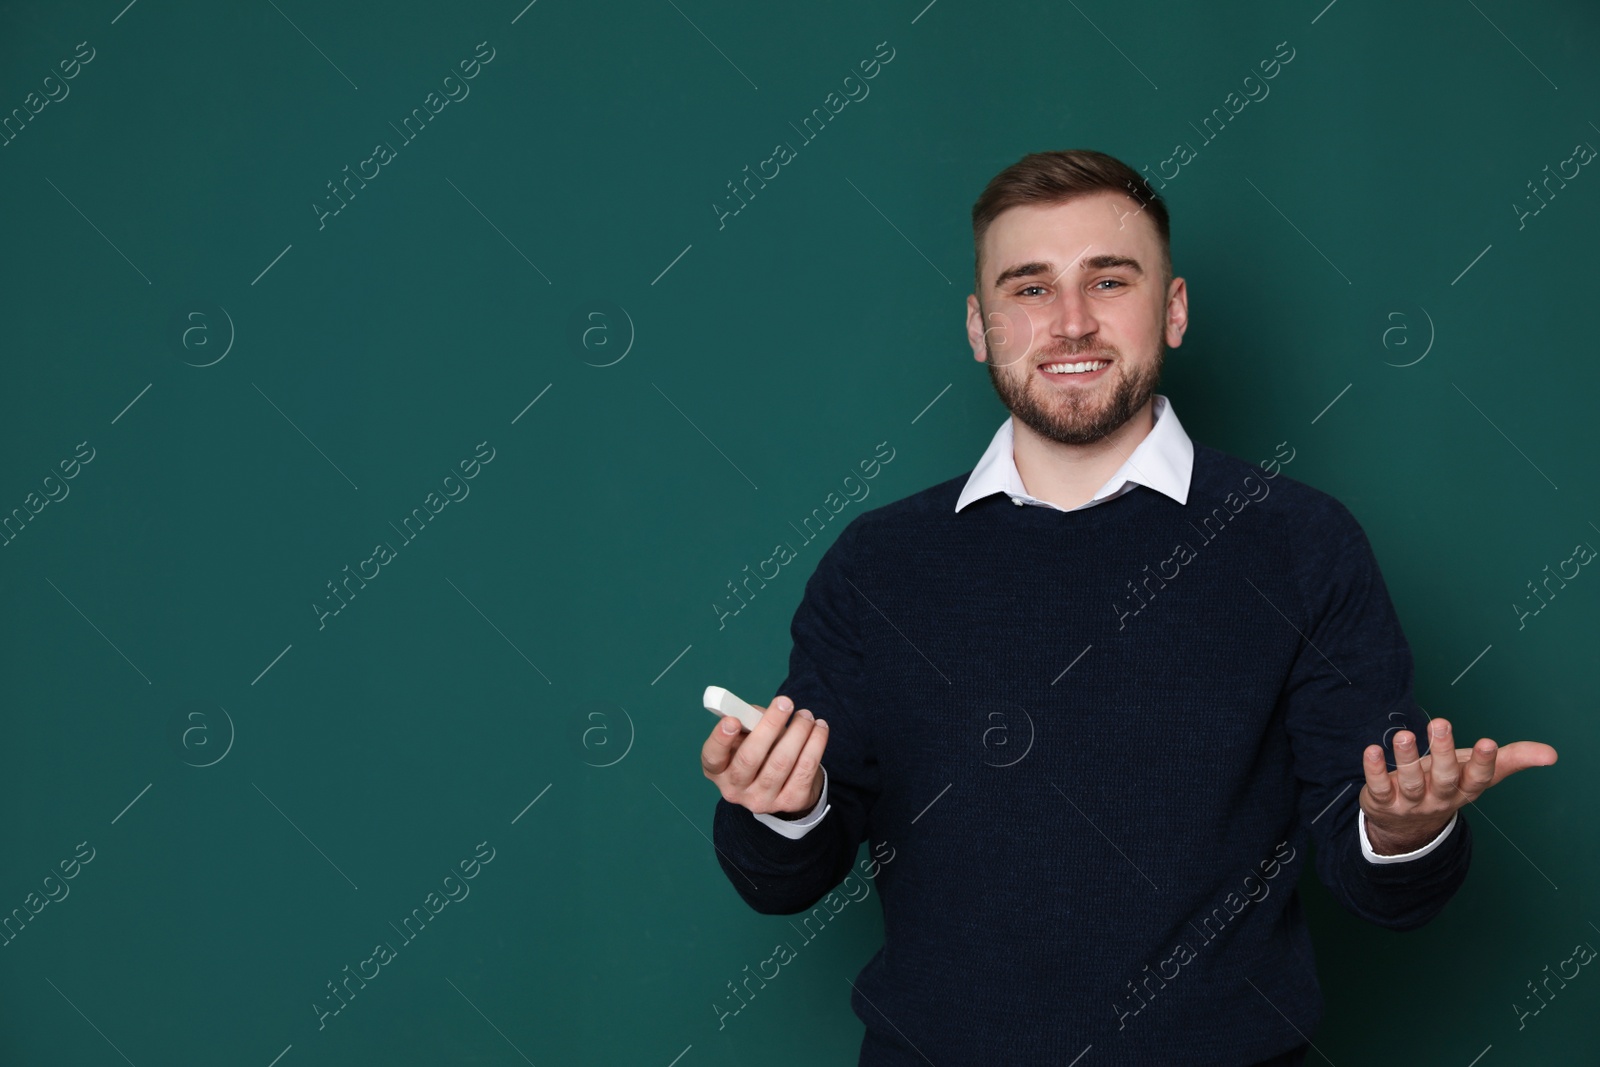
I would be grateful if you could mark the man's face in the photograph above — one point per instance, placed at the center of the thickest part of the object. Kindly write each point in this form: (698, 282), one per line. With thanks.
(1072, 283)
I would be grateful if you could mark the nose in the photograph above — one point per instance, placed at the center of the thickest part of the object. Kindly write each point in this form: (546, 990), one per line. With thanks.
(1071, 316)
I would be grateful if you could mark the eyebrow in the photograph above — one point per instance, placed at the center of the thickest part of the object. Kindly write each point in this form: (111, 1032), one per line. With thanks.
(1035, 269)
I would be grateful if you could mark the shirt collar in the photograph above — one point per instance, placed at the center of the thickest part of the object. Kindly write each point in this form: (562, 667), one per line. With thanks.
(1163, 461)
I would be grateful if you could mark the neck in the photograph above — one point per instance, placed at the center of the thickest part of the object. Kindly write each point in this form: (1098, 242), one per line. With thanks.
(1069, 475)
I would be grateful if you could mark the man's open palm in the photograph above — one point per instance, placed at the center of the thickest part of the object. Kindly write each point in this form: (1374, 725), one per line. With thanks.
(1408, 806)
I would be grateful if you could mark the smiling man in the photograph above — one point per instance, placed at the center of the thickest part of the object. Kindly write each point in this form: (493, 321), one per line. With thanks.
(1098, 821)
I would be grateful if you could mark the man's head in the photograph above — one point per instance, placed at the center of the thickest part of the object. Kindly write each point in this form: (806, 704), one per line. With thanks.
(1073, 264)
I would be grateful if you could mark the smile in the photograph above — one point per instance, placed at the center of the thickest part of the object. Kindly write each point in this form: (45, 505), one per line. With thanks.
(1086, 367)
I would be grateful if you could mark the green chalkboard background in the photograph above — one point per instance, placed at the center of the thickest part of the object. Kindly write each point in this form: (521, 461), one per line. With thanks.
(252, 382)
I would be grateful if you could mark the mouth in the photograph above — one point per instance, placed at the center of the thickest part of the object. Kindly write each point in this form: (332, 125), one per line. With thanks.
(1086, 370)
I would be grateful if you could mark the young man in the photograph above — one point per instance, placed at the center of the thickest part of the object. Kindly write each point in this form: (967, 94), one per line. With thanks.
(1096, 695)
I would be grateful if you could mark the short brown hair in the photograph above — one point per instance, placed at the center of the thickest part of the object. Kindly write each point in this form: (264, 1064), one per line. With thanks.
(1059, 176)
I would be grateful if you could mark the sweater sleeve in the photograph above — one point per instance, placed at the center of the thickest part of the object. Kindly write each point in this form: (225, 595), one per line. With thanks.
(780, 875)
(1351, 686)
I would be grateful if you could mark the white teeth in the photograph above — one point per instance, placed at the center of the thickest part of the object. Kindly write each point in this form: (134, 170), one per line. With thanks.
(1076, 368)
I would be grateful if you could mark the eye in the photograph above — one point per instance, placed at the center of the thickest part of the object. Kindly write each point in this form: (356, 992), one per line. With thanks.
(1024, 290)
(1113, 281)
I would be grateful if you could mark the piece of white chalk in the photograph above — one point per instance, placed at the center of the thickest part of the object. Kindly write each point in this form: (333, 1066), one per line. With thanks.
(720, 702)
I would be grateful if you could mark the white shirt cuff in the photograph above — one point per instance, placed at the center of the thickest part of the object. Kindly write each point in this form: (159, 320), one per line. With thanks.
(796, 828)
(1373, 857)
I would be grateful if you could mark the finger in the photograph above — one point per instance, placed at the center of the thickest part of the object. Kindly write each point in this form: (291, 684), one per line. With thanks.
(1478, 774)
(1408, 767)
(717, 752)
(1446, 769)
(775, 769)
(1519, 756)
(800, 791)
(1376, 769)
(758, 742)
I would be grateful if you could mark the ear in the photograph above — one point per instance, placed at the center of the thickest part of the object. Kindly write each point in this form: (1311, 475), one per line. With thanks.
(975, 328)
(1177, 311)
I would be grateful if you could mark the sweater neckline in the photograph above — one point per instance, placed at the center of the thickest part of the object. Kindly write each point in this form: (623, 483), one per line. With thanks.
(1137, 502)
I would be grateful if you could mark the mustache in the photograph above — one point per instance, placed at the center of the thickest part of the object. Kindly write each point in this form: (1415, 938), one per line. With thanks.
(1093, 348)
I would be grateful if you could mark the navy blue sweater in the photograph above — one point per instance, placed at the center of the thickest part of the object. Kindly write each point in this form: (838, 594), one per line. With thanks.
(1095, 744)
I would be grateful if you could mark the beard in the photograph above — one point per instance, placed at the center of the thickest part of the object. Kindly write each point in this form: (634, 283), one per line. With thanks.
(1077, 416)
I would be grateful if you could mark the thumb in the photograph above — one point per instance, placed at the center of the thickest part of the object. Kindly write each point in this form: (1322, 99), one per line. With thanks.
(1520, 755)
(717, 752)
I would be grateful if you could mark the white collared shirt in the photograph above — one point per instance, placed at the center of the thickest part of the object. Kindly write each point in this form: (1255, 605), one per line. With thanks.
(1163, 461)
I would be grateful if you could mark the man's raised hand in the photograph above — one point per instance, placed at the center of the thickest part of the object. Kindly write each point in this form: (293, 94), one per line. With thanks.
(1408, 806)
(773, 769)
